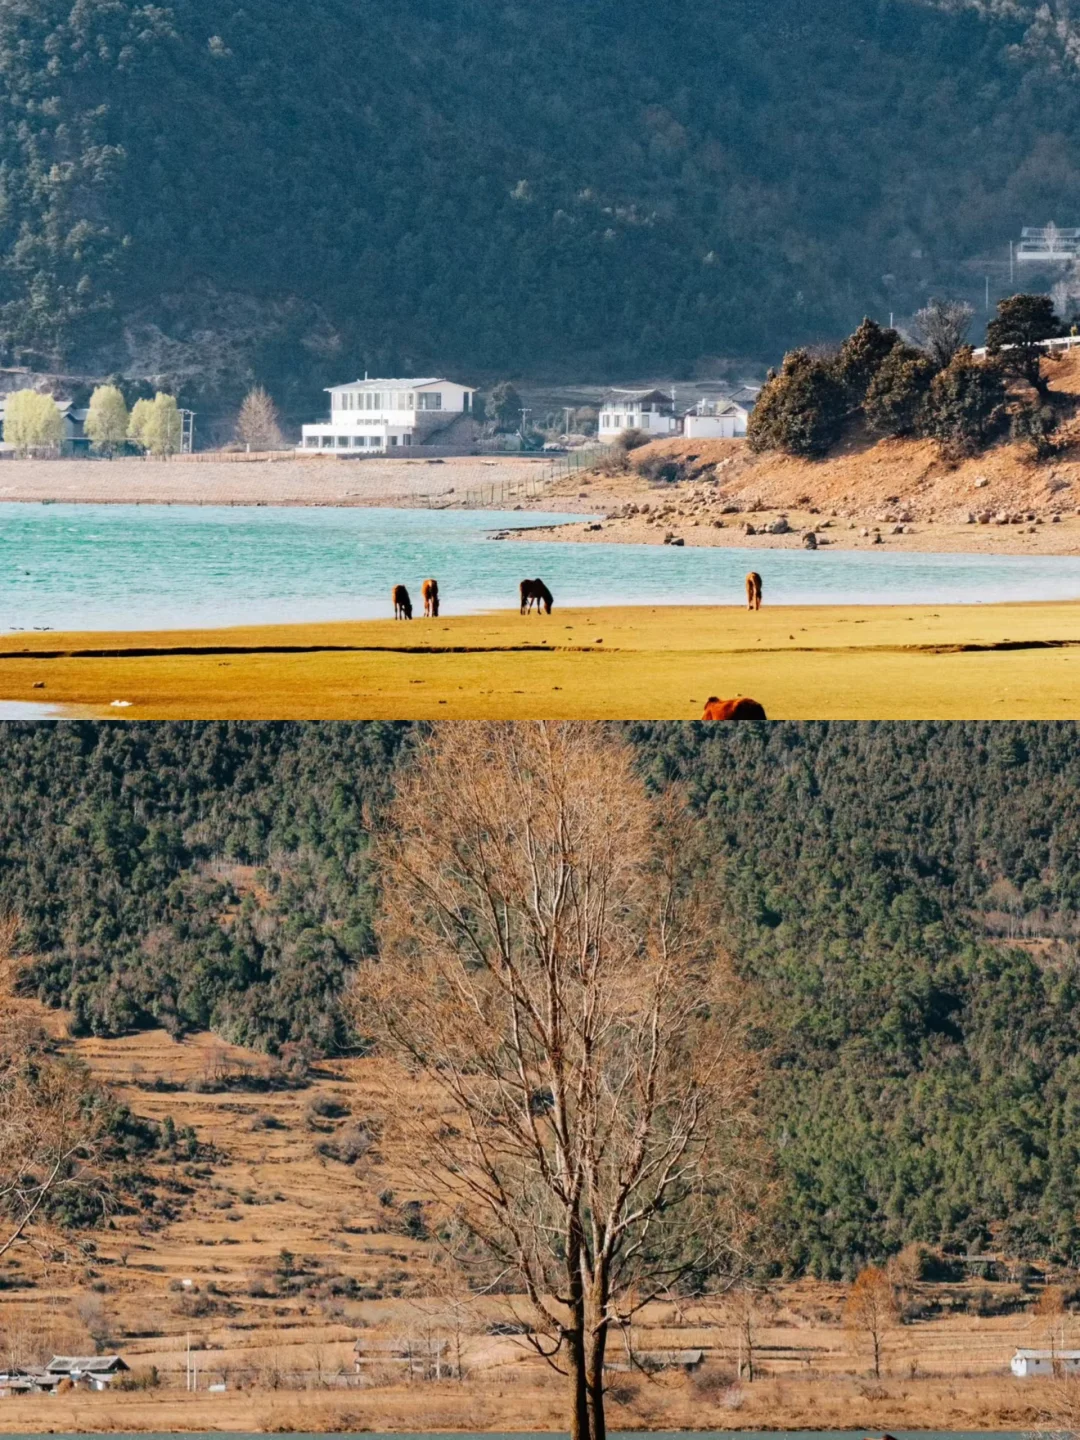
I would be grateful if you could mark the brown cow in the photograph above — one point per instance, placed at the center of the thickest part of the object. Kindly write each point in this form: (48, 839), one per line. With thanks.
(430, 592)
(742, 708)
(402, 603)
(753, 591)
(535, 591)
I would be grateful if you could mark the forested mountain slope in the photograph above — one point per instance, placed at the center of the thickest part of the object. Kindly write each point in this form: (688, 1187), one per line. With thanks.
(904, 901)
(298, 191)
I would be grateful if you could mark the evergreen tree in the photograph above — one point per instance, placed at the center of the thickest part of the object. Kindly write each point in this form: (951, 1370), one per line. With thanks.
(504, 407)
(861, 357)
(801, 410)
(895, 402)
(1013, 337)
(966, 404)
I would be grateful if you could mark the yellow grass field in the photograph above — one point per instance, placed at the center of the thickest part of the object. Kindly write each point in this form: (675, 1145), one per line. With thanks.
(1001, 662)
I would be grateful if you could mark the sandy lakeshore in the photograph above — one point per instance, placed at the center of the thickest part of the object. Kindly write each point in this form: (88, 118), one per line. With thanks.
(801, 662)
(283, 480)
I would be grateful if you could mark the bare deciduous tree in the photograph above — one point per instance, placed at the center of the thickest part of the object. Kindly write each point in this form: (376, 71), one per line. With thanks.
(549, 975)
(48, 1119)
(257, 424)
(941, 328)
(871, 1310)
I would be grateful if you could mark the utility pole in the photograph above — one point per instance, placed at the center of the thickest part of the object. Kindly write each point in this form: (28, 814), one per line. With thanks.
(524, 421)
(567, 409)
(988, 294)
(1010, 264)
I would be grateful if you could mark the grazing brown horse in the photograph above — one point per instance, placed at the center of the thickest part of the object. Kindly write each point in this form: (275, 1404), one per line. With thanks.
(430, 592)
(742, 708)
(402, 603)
(535, 591)
(753, 591)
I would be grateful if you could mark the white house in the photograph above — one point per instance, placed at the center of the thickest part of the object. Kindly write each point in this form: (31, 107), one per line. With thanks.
(715, 420)
(1046, 1362)
(1048, 243)
(650, 411)
(387, 415)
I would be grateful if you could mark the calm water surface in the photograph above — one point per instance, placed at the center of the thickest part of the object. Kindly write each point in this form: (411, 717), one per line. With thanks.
(100, 567)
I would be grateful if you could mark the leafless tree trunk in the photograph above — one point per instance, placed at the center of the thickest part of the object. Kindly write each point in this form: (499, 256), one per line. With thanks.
(549, 976)
(941, 327)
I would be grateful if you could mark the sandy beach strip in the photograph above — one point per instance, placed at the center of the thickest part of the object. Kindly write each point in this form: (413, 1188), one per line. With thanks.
(802, 662)
(287, 481)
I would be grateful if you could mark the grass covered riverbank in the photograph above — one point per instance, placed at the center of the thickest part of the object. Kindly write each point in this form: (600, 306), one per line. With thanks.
(1003, 662)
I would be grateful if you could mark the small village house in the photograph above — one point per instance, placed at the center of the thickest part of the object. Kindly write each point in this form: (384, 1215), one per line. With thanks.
(1045, 1362)
(715, 420)
(391, 416)
(650, 411)
(87, 1372)
(91, 1372)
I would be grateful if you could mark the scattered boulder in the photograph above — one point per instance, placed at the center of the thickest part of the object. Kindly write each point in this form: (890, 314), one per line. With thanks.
(981, 482)
(780, 526)
(877, 539)
(809, 540)
(749, 529)
(678, 540)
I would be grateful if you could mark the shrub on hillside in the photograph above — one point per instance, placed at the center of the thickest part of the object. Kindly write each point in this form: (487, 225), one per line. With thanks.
(861, 357)
(895, 402)
(801, 410)
(966, 404)
(1034, 426)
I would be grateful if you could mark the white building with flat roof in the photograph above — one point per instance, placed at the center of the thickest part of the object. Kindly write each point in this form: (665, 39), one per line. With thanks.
(1045, 1362)
(377, 416)
(650, 411)
(715, 420)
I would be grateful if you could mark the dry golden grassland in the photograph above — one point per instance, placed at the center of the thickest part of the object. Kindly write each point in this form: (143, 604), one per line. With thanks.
(265, 1181)
(998, 662)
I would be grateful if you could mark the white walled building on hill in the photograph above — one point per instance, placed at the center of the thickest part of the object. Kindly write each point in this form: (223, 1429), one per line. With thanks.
(371, 416)
(650, 411)
(715, 420)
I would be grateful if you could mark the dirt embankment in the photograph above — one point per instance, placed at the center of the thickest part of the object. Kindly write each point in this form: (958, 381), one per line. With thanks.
(293, 1234)
(900, 493)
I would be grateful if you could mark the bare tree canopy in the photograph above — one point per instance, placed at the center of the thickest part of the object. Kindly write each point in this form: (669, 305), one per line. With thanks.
(257, 424)
(548, 972)
(48, 1118)
(941, 327)
(871, 1310)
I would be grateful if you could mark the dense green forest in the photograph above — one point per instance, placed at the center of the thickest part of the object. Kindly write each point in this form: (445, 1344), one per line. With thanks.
(904, 901)
(578, 186)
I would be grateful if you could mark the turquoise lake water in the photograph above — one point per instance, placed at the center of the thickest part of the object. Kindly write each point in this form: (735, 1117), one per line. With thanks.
(101, 567)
